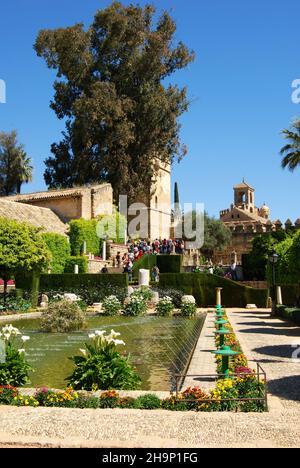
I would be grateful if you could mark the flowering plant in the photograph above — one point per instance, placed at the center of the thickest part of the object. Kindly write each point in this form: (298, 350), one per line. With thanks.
(165, 307)
(136, 306)
(14, 369)
(188, 309)
(111, 306)
(102, 367)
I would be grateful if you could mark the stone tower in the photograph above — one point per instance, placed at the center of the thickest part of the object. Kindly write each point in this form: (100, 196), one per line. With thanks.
(160, 203)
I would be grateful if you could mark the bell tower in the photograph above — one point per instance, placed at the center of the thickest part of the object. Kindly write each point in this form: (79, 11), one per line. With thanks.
(244, 197)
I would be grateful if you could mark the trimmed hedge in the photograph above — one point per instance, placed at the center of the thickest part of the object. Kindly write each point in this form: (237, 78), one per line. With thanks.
(291, 294)
(80, 261)
(60, 250)
(91, 288)
(147, 262)
(169, 263)
(165, 263)
(68, 280)
(292, 314)
(203, 287)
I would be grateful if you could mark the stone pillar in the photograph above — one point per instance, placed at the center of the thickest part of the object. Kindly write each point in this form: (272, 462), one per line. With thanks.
(279, 295)
(104, 251)
(219, 298)
(144, 278)
(76, 269)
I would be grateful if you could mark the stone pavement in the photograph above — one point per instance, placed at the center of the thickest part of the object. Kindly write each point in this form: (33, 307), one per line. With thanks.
(271, 342)
(264, 339)
(203, 361)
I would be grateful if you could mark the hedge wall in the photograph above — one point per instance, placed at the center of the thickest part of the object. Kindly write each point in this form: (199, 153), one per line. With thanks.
(169, 263)
(82, 280)
(60, 250)
(80, 261)
(290, 294)
(203, 287)
(147, 262)
(91, 288)
(292, 314)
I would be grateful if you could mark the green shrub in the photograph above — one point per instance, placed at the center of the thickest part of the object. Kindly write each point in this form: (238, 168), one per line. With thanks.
(165, 307)
(169, 263)
(14, 370)
(102, 367)
(143, 293)
(188, 309)
(203, 288)
(82, 263)
(147, 402)
(289, 313)
(62, 317)
(135, 307)
(111, 306)
(14, 304)
(175, 294)
(59, 248)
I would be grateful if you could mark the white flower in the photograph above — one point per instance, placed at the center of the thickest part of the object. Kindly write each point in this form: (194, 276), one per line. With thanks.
(114, 334)
(83, 351)
(7, 336)
(119, 342)
(21, 351)
(25, 338)
(92, 336)
(100, 333)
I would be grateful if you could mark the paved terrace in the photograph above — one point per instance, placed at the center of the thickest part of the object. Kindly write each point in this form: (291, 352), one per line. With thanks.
(264, 339)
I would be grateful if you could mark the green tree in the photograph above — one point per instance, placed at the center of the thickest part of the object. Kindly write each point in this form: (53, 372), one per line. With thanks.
(22, 249)
(120, 115)
(255, 263)
(291, 151)
(60, 250)
(216, 235)
(15, 165)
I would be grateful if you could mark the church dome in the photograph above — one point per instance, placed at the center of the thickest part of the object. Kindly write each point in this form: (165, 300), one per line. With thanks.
(265, 211)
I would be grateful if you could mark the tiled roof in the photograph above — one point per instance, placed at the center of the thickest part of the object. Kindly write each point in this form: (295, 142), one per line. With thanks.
(39, 217)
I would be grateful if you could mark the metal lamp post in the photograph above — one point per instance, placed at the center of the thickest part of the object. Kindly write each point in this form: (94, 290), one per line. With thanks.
(273, 259)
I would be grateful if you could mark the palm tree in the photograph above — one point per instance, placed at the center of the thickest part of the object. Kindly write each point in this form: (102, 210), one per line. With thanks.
(24, 171)
(291, 152)
(15, 165)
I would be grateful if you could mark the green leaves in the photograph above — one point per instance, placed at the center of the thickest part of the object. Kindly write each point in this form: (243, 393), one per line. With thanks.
(21, 248)
(110, 90)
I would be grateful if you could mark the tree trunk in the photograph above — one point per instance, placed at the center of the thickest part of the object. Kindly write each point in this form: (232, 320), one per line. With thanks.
(5, 280)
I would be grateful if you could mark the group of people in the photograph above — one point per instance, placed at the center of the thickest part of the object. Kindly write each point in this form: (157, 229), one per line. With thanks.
(138, 249)
(163, 247)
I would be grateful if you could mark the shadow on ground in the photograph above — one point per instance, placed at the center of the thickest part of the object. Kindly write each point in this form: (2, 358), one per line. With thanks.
(295, 332)
(279, 351)
(287, 388)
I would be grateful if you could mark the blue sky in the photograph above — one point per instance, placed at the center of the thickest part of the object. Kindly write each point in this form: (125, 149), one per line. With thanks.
(240, 87)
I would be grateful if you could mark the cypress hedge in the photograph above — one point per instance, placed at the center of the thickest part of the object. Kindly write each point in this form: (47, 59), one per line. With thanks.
(203, 287)
(291, 294)
(69, 280)
(60, 250)
(84, 230)
(80, 261)
(169, 263)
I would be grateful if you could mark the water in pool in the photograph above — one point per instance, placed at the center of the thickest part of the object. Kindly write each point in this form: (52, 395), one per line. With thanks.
(159, 348)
